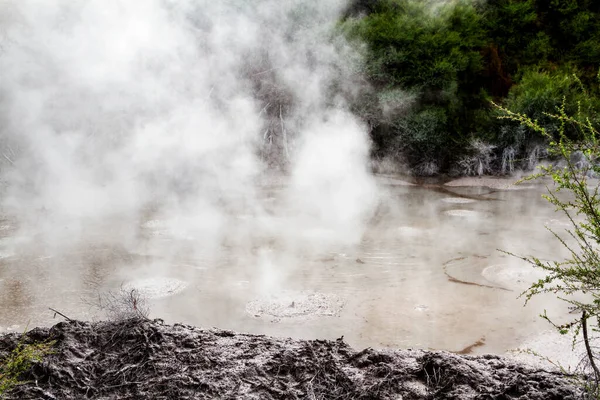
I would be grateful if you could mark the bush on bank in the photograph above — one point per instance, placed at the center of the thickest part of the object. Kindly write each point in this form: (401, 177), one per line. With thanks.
(444, 62)
(575, 280)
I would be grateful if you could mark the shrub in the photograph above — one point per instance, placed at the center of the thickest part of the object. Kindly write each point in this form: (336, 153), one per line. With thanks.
(580, 274)
(126, 303)
(540, 92)
(479, 160)
(458, 55)
(423, 139)
(537, 94)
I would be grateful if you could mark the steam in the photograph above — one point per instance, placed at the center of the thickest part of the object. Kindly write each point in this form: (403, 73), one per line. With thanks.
(207, 145)
(112, 110)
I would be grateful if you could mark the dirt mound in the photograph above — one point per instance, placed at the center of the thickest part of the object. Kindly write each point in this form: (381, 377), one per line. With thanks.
(136, 359)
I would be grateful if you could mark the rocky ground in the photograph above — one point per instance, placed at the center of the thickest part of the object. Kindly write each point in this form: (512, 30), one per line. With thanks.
(139, 359)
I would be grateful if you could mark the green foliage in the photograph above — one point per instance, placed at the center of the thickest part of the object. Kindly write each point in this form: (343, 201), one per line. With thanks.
(513, 27)
(574, 195)
(411, 47)
(573, 26)
(538, 94)
(423, 128)
(19, 361)
(435, 55)
(458, 55)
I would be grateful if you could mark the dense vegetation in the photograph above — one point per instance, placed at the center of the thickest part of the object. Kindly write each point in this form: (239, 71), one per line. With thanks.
(434, 68)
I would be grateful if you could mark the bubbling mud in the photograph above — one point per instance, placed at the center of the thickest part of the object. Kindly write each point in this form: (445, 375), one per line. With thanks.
(289, 304)
(458, 200)
(463, 213)
(516, 277)
(157, 287)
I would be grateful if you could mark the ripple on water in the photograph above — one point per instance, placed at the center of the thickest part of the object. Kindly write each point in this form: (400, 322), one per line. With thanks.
(463, 213)
(386, 258)
(469, 271)
(512, 276)
(411, 231)
(157, 287)
(290, 304)
(457, 200)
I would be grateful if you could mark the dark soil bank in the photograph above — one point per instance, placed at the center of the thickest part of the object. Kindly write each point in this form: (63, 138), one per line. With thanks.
(136, 359)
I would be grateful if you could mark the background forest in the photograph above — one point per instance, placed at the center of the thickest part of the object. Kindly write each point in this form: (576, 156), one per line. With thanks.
(435, 67)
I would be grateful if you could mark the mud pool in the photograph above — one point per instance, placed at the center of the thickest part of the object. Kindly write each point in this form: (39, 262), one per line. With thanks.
(426, 273)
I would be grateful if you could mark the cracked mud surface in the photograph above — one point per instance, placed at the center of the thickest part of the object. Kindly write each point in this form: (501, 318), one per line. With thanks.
(136, 359)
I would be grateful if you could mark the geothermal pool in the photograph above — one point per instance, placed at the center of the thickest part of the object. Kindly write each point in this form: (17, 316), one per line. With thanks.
(426, 273)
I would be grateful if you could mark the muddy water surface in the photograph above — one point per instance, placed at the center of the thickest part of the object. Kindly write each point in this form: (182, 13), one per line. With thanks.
(426, 274)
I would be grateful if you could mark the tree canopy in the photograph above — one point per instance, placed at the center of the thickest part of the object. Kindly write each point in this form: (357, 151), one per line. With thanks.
(449, 59)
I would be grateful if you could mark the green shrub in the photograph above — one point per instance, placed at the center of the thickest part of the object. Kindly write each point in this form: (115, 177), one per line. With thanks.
(431, 57)
(540, 93)
(579, 200)
(458, 55)
(411, 47)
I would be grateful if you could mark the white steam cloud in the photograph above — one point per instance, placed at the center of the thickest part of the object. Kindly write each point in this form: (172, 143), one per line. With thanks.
(109, 108)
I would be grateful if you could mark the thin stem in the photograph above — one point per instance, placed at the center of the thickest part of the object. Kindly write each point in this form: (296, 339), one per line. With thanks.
(587, 346)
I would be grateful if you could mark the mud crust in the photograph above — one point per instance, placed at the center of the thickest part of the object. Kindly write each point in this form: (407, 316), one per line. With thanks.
(137, 359)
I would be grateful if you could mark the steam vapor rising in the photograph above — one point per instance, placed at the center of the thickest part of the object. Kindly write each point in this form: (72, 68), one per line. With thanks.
(108, 106)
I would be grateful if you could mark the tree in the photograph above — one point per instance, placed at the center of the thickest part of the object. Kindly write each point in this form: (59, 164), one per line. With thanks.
(577, 159)
(433, 55)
